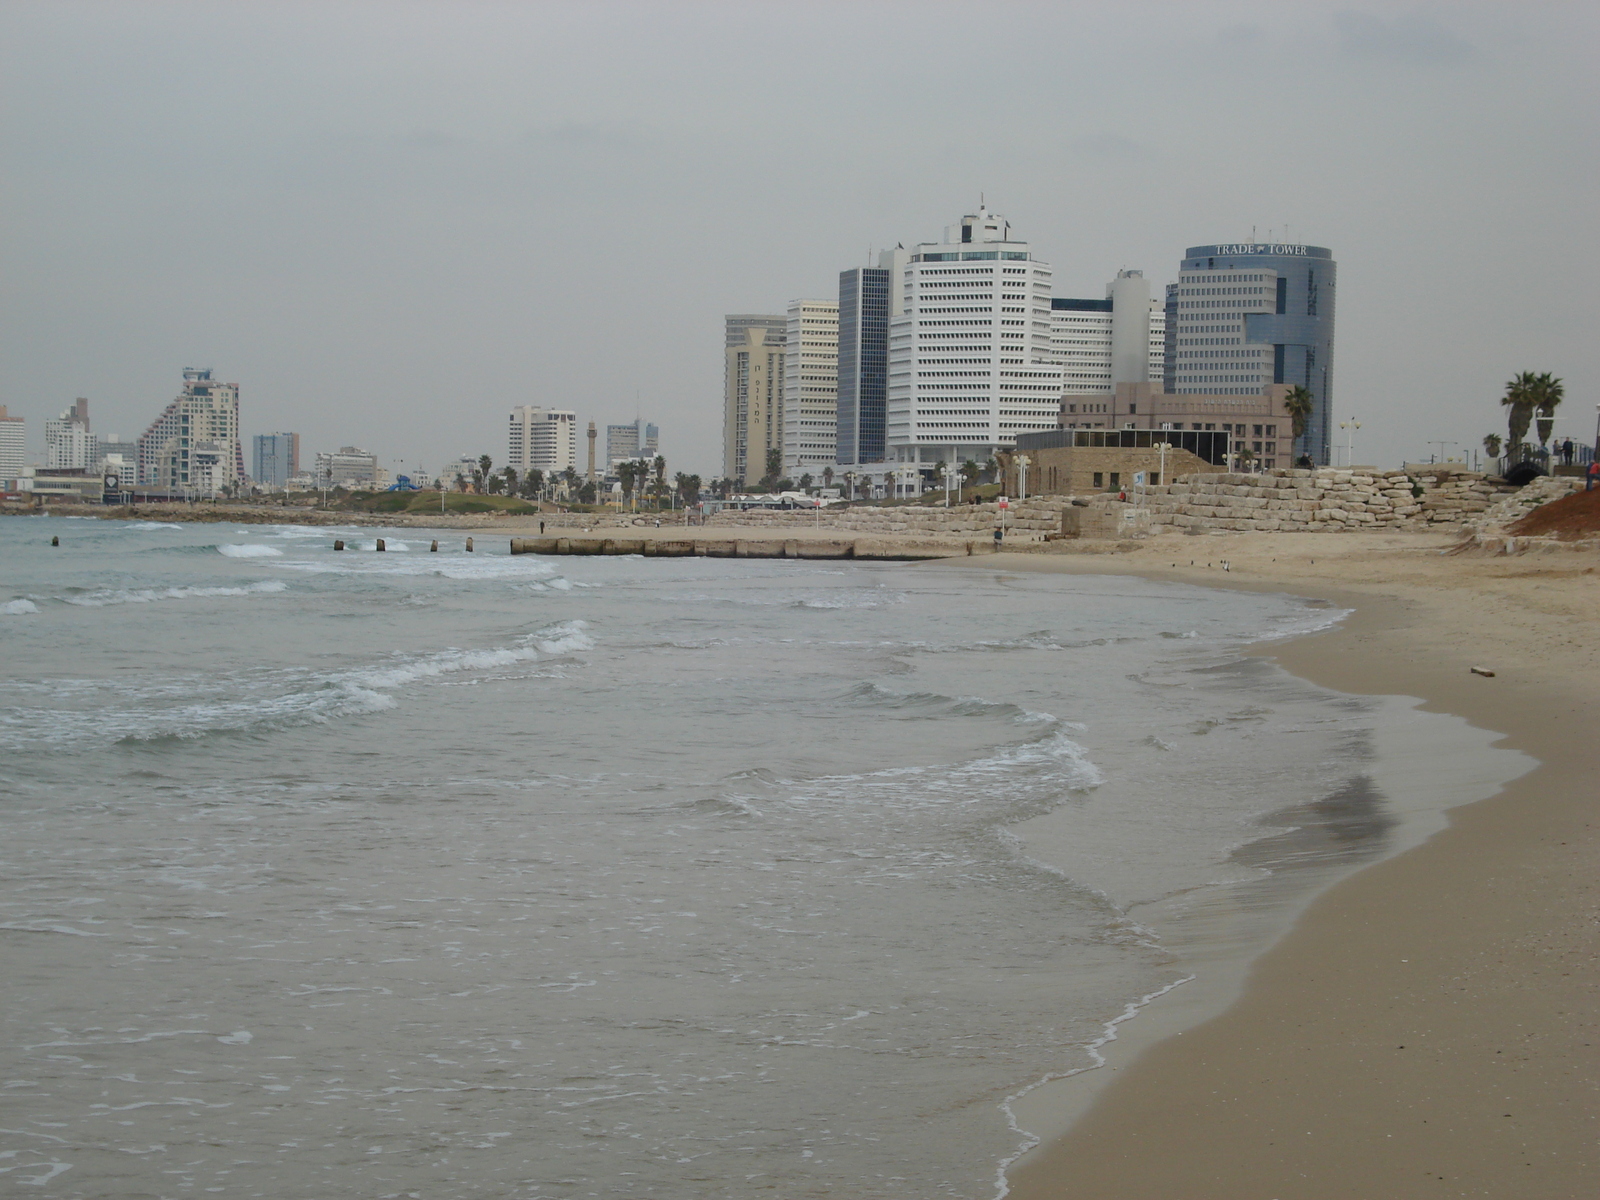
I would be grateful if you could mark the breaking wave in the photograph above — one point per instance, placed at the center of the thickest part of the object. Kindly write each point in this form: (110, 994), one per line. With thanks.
(248, 550)
(149, 595)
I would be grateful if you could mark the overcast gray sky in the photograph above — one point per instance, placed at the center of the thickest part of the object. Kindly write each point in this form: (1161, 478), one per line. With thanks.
(390, 222)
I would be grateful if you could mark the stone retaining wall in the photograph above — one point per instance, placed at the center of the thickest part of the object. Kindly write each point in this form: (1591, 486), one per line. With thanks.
(1325, 500)
(1322, 500)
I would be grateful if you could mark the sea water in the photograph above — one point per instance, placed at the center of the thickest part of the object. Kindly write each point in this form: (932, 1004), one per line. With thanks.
(462, 874)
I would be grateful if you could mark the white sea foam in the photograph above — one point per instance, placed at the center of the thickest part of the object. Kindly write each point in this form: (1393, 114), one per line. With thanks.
(18, 608)
(1310, 620)
(1097, 1060)
(569, 637)
(453, 566)
(143, 526)
(149, 595)
(248, 550)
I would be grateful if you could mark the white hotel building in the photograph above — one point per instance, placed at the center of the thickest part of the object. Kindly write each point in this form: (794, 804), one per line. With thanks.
(810, 386)
(544, 439)
(970, 358)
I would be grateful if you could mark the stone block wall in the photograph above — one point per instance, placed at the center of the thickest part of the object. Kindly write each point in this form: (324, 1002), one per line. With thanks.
(1321, 501)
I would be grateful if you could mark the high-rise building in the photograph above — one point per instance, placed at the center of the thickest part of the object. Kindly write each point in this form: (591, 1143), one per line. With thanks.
(1098, 342)
(13, 446)
(543, 439)
(636, 439)
(67, 441)
(752, 395)
(866, 302)
(810, 386)
(194, 444)
(735, 324)
(1251, 314)
(275, 458)
(970, 360)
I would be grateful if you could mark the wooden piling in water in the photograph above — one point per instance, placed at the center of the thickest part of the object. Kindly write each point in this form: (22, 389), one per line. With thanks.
(434, 548)
(381, 547)
(469, 545)
(338, 545)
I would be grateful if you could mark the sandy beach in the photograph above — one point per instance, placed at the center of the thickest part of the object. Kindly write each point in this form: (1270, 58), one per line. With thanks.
(1428, 1025)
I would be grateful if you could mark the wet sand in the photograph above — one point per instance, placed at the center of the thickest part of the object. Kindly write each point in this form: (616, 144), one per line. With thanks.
(1429, 1025)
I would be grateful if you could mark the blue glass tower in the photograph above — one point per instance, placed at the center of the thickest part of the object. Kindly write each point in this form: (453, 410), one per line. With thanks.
(1253, 313)
(863, 364)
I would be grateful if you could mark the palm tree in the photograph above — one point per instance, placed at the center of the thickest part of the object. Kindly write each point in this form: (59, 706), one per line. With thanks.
(484, 463)
(1491, 445)
(1547, 394)
(1299, 403)
(827, 477)
(1520, 401)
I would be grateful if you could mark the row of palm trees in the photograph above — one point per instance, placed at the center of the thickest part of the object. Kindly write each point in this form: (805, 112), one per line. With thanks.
(1528, 398)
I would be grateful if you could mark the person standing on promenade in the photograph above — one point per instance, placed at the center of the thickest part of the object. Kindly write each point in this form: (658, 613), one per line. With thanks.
(1593, 475)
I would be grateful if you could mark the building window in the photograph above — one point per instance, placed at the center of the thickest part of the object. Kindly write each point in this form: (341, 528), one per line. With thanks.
(1099, 479)
(1116, 480)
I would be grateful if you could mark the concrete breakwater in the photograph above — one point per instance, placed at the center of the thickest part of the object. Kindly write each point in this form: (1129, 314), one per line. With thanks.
(808, 548)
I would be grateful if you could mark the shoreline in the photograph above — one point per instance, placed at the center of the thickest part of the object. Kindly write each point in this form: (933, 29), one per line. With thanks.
(1297, 1087)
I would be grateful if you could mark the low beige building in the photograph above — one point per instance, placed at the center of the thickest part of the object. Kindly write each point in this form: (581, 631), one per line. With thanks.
(1076, 462)
(1256, 422)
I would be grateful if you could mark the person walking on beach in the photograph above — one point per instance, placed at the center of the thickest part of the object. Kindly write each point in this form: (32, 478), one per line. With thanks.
(1592, 476)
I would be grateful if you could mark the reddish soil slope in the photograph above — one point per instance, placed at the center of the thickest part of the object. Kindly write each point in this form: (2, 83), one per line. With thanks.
(1576, 516)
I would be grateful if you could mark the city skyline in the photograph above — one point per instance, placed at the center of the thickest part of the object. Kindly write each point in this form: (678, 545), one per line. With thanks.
(363, 289)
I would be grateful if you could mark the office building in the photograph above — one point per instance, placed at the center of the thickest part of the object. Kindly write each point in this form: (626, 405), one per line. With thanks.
(1101, 343)
(1252, 314)
(112, 443)
(810, 387)
(542, 439)
(866, 302)
(636, 439)
(349, 467)
(970, 360)
(13, 447)
(68, 444)
(194, 444)
(752, 395)
(1254, 420)
(275, 458)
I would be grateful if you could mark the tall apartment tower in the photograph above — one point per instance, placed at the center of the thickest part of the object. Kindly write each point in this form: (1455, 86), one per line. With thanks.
(868, 297)
(1101, 343)
(194, 444)
(542, 439)
(13, 446)
(274, 458)
(752, 394)
(810, 386)
(67, 441)
(1251, 314)
(970, 360)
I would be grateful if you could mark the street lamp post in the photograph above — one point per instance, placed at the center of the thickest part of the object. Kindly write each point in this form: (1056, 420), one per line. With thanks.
(1022, 476)
(1350, 428)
